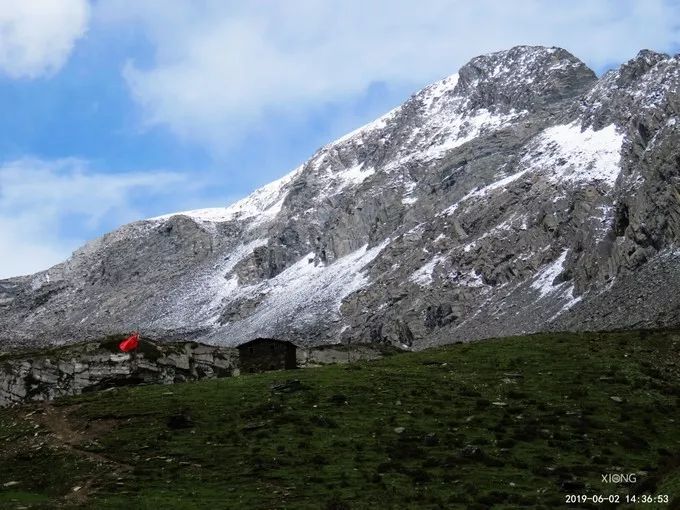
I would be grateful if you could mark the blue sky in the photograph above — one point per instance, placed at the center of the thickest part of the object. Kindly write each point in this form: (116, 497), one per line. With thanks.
(117, 110)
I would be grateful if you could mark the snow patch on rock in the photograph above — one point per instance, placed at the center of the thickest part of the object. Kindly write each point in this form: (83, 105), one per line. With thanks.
(482, 192)
(571, 155)
(568, 294)
(457, 130)
(431, 95)
(357, 134)
(468, 279)
(352, 176)
(303, 292)
(424, 275)
(543, 281)
(211, 292)
(262, 205)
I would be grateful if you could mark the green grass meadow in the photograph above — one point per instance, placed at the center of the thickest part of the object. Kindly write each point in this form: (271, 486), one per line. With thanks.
(512, 423)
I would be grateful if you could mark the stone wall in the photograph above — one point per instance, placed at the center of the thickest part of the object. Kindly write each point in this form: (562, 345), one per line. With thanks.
(94, 366)
(342, 353)
(82, 368)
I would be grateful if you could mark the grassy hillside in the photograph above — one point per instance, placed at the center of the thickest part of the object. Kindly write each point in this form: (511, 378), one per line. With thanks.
(518, 422)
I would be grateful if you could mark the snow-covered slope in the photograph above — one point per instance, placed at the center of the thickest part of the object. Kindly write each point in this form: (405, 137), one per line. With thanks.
(260, 206)
(519, 194)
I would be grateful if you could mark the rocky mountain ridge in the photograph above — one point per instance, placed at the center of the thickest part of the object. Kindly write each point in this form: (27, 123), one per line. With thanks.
(521, 194)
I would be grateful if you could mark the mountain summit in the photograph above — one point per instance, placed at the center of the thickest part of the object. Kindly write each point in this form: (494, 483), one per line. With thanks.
(520, 194)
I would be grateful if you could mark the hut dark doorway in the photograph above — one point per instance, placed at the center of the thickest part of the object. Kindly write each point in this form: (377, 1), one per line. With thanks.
(262, 354)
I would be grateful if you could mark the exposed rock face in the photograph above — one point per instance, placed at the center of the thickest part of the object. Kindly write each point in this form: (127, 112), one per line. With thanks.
(521, 194)
(89, 367)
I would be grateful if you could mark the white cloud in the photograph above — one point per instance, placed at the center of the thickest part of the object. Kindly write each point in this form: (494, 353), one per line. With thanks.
(221, 68)
(37, 36)
(47, 207)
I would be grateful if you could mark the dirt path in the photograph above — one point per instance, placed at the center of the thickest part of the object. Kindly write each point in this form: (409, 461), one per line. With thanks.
(64, 433)
(57, 421)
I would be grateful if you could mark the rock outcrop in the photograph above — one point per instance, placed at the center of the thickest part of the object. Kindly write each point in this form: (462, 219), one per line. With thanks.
(521, 194)
(94, 366)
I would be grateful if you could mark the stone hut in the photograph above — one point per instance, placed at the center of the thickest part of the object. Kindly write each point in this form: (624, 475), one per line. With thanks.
(263, 354)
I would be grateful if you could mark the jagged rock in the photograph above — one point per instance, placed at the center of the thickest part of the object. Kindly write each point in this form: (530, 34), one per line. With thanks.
(522, 194)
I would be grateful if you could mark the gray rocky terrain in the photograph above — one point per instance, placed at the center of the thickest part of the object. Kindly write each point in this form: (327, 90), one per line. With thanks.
(521, 194)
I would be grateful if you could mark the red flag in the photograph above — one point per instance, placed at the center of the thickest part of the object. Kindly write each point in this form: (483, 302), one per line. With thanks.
(130, 343)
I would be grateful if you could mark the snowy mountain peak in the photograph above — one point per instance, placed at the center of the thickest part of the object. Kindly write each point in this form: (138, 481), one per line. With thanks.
(489, 92)
(523, 78)
(519, 194)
